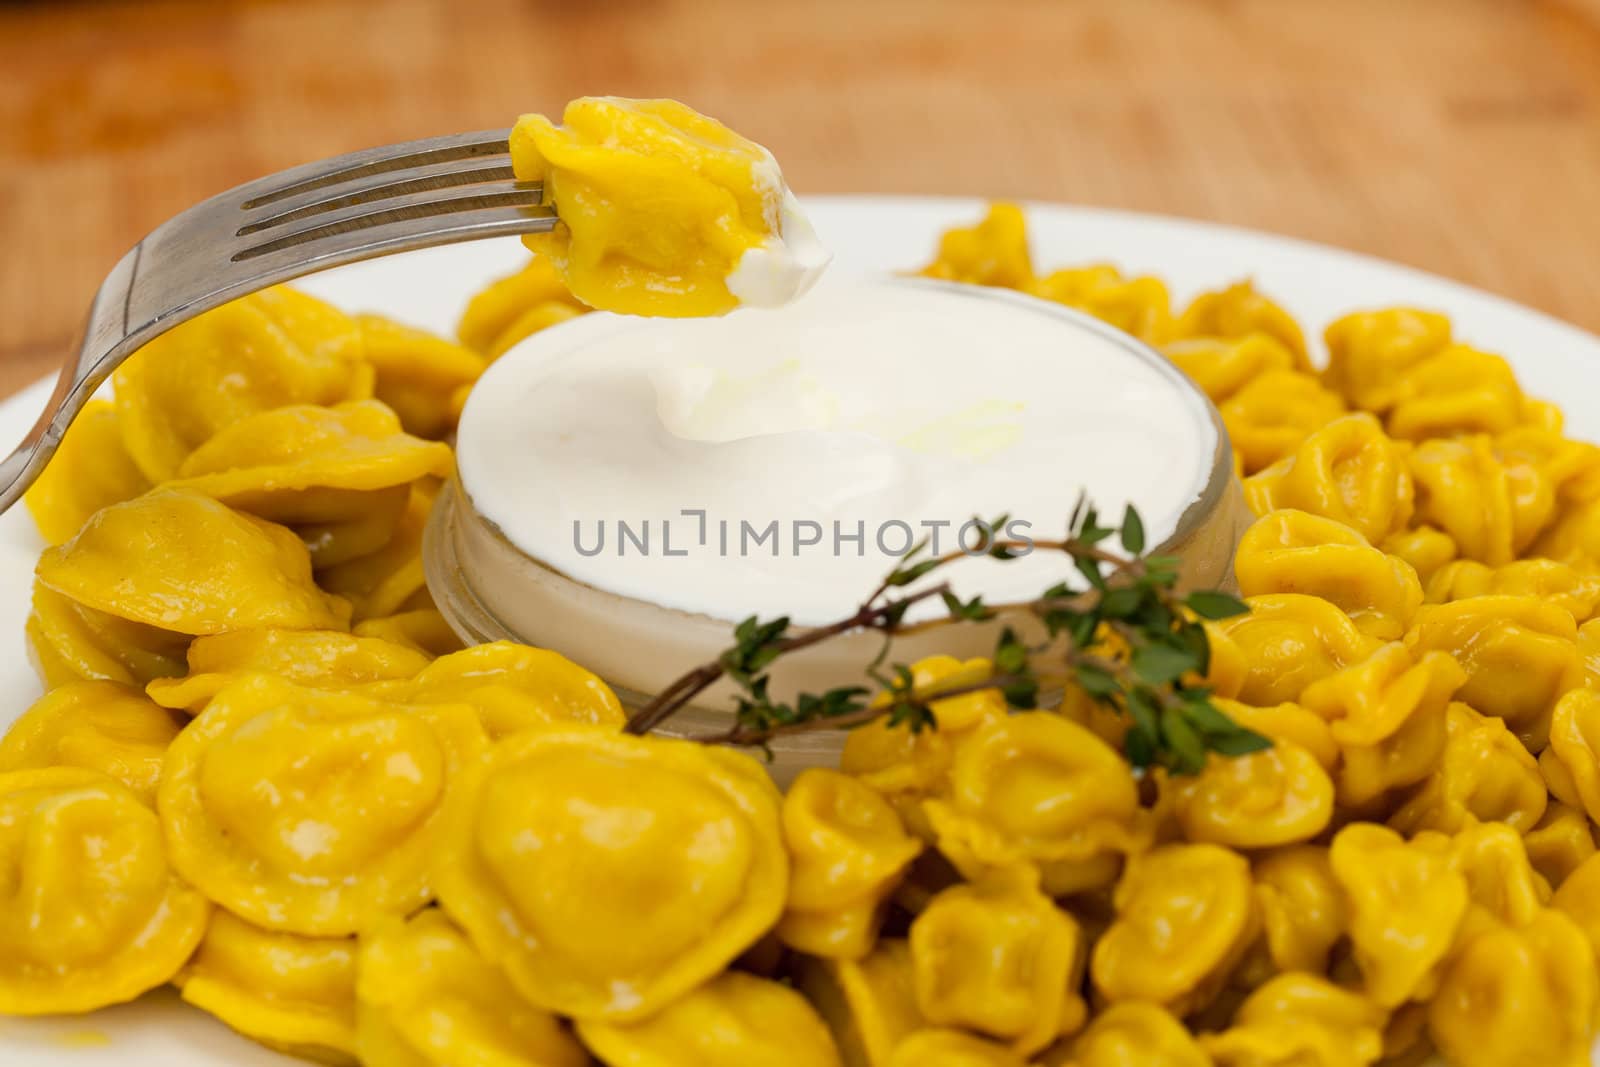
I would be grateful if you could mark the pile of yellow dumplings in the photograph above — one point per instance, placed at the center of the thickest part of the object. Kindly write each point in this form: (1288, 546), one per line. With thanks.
(266, 772)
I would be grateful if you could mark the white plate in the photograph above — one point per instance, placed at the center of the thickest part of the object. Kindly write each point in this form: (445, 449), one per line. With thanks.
(428, 289)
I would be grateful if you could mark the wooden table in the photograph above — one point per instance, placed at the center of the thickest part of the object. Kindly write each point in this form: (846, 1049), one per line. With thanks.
(1461, 136)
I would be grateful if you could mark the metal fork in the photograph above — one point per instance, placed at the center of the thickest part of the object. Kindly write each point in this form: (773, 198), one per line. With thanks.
(352, 207)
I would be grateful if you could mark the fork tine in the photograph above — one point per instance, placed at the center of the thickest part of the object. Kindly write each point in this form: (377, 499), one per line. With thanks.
(516, 200)
(377, 188)
(374, 161)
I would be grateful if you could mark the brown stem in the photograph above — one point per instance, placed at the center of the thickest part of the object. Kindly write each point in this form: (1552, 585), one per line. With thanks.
(873, 615)
(696, 681)
(743, 735)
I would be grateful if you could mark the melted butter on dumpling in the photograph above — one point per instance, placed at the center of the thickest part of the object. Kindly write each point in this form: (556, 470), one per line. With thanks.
(560, 841)
(312, 811)
(186, 563)
(90, 912)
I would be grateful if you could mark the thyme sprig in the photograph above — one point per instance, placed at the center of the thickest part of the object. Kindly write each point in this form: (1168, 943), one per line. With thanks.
(1127, 639)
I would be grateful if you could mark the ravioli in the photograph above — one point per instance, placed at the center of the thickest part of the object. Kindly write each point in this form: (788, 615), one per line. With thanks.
(263, 351)
(310, 811)
(93, 914)
(185, 563)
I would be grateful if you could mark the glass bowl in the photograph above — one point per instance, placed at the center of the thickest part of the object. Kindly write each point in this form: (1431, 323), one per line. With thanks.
(489, 589)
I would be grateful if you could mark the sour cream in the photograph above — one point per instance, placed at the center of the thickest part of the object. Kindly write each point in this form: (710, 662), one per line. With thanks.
(787, 264)
(777, 462)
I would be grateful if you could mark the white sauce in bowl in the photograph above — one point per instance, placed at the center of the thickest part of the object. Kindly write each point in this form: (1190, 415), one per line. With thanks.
(777, 461)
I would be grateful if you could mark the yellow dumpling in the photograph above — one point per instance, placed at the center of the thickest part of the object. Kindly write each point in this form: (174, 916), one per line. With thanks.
(1290, 551)
(427, 998)
(735, 1020)
(1484, 774)
(1276, 796)
(847, 852)
(1493, 508)
(1579, 898)
(1371, 352)
(1033, 787)
(320, 659)
(1285, 722)
(1500, 879)
(292, 993)
(951, 1048)
(90, 470)
(1288, 641)
(99, 726)
(1520, 654)
(93, 914)
(1520, 996)
(70, 642)
(262, 351)
(993, 251)
(390, 579)
(658, 204)
(908, 766)
(1132, 1034)
(558, 842)
(1427, 549)
(1348, 471)
(1457, 390)
(1301, 1020)
(1559, 583)
(1272, 415)
(1571, 764)
(1000, 958)
(182, 562)
(1184, 915)
(417, 373)
(336, 475)
(1221, 367)
(498, 316)
(1571, 466)
(1139, 306)
(1405, 904)
(311, 811)
(517, 686)
(1388, 717)
(1573, 535)
(1560, 843)
(870, 1004)
(1238, 311)
(423, 629)
(1302, 907)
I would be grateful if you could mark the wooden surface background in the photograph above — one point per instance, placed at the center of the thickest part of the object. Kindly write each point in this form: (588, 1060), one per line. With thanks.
(1461, 136)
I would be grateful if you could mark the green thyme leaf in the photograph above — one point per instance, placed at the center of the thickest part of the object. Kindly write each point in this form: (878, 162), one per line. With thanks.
(1241, 742)
(907, 575)
(1210, 604)
(1188, 752)
(1132, 531)
(1161, 664)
